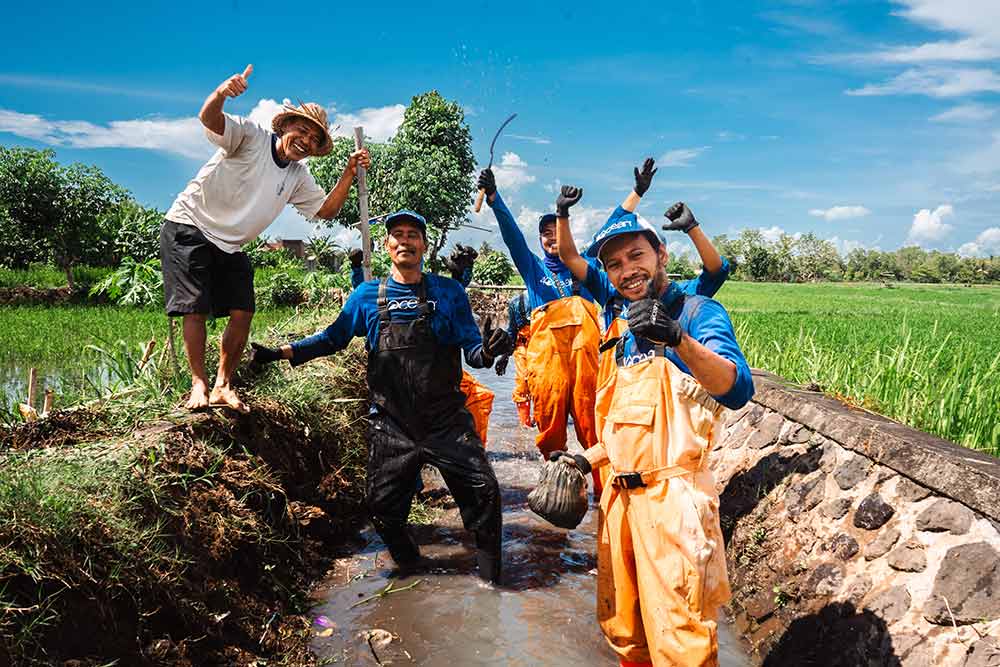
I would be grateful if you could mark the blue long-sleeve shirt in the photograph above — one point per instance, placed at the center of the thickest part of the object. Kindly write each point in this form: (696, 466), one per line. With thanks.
(535, 274)
(707, 283)
(518, 315)
(452, 321)
(703, 319)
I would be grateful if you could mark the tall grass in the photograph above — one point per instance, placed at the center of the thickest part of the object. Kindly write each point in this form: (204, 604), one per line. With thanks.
(928, 357)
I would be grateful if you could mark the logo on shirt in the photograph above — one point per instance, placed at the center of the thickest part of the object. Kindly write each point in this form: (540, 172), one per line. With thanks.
(633, 359)
(408, 304)
(565, 282)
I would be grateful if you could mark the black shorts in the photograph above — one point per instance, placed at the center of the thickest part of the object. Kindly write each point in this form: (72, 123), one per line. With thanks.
(199, 278)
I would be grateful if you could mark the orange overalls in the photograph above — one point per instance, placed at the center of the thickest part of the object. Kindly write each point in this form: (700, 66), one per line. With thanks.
(561, 361)
(661, 562)
(478, 401)
(521, 396)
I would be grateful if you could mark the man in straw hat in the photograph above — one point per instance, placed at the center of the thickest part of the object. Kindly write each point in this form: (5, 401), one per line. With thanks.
(234, 197)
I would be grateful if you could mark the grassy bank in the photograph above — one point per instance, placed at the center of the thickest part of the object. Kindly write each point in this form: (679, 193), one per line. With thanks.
(74, 347)
(144, 535)
(928, 356)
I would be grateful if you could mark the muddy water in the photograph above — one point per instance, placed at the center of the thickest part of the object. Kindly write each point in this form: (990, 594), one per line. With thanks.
(542, 614)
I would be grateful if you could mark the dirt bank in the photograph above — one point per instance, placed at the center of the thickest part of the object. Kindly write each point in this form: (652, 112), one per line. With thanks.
(183, 540)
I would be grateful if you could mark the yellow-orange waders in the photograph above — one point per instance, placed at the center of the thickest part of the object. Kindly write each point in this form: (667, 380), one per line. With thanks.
(562, 372)
(478, 401)
(521, 394)
(661, 558)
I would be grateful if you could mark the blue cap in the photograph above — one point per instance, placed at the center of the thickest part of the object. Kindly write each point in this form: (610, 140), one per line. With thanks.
(546, 219)
(404, 215)
(628, 223)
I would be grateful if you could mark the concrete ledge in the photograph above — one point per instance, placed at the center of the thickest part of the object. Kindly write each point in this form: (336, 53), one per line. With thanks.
(965, 475)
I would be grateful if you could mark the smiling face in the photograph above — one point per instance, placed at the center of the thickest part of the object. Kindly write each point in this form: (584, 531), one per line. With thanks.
(300, 139)
(631, 262)
(406, 245)
(547, 237)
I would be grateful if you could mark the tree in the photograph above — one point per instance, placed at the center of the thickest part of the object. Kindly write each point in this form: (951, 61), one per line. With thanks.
(426, 167)
(492, 268)
(816, 258)
(54, 211)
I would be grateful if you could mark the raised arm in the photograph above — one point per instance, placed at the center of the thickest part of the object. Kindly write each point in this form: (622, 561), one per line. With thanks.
(680, 218)
(568, 252)
(643, 179)
(335, 200)
(211, 111)
(517, 246)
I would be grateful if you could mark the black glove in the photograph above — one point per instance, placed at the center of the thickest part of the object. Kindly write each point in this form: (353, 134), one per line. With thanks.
(568, 195)
(487, 182)
(578, 460)
(496, 342)
(501, 366)
(264, 355)
(681, 218)
(648, 318)
(460, 260)
(356, 256)
(644, 178)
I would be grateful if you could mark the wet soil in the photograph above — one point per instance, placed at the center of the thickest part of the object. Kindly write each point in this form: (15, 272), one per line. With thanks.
(544, 613)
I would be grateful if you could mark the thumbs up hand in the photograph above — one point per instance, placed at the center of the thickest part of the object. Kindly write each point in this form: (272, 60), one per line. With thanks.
(236, 84)
(648, 318)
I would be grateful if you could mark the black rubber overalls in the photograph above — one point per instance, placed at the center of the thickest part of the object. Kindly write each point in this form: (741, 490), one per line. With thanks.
(421, 419)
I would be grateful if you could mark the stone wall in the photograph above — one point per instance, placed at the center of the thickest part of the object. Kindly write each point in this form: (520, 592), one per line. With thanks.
(853, 540)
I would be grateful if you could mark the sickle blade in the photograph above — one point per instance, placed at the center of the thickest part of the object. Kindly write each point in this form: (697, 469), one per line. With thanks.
(497, 135)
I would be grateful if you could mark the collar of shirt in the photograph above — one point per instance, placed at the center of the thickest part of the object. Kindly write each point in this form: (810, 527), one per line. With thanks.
(274, 153)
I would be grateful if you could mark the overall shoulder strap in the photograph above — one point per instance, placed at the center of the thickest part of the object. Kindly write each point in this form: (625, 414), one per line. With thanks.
(560, 290)
(383, 300)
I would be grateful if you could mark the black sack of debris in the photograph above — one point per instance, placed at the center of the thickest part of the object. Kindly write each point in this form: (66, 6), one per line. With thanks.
(561, 495)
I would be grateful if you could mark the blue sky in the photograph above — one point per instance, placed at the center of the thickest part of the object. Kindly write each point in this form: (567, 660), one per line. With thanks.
(869, 123)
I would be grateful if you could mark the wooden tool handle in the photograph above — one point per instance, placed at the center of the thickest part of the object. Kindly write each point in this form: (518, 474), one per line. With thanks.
(479, 200)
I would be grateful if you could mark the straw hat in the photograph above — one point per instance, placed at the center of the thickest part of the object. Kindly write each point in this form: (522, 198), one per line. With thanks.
(311, 112)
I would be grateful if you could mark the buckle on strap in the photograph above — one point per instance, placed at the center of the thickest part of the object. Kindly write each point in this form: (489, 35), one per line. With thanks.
(628, 480)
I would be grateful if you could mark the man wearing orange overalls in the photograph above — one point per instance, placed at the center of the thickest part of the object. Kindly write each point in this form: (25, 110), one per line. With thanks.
(669, 365)
(561, 355)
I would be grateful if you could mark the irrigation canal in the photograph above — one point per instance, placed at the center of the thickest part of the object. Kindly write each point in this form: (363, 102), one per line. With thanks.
(543, 613)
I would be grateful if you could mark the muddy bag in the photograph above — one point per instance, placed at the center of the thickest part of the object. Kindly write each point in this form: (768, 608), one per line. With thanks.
(561, 495)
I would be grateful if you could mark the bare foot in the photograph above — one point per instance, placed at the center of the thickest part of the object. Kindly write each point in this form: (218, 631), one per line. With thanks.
(198, 400)
(225, 397)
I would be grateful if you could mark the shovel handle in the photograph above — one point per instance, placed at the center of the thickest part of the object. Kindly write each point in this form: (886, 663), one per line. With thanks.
(479, 200)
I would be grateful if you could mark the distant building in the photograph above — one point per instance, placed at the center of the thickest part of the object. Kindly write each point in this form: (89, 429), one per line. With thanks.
(296, 246)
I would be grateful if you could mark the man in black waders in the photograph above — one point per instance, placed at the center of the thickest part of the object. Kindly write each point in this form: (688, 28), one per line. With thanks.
(416, 325)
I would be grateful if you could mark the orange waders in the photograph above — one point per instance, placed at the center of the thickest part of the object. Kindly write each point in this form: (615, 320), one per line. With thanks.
(562, 372)
(661, 563)
(521, 396)
(479, 403)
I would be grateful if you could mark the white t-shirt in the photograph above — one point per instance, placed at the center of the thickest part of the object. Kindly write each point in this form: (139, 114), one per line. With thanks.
(241, 190)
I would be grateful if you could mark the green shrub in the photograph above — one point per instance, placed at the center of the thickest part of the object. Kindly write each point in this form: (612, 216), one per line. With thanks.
(492, 268)
(282, 289)
(133, 283)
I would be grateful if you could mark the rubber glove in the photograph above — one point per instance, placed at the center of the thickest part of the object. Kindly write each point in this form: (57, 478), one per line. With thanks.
(648, 318)
(568, 195)
(487, 182)
(644, 178)
(356, 257)
(264, 355)
(579, 461)
(681, 218)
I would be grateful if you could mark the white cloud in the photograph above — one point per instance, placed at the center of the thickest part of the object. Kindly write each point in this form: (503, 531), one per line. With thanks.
(979, 19)
(512, 172)
(680, 157)
(929, 226)
(965, 113)
(839, 212)
(957, 51)
(380, 123)
(845, 246)
(771, 234)
(535, 140)
(181, 136)
(986, 244)
(934, 82)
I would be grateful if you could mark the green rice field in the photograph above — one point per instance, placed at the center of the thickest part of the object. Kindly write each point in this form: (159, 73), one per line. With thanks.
(928, 356)
(65, 344)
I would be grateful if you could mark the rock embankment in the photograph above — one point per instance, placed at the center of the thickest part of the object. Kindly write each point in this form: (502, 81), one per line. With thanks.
(855, 540)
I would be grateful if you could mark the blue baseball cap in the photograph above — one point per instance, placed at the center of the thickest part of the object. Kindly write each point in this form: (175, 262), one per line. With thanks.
(404, 215)
(628, 223)
(546, 219)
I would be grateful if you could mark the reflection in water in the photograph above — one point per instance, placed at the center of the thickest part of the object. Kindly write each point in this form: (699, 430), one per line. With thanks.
(543, 614)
